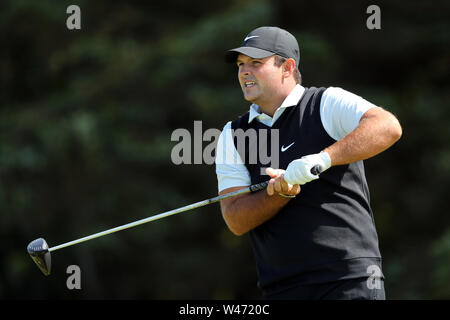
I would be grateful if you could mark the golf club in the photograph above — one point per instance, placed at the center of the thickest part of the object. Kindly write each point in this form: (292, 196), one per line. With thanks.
(40, 252)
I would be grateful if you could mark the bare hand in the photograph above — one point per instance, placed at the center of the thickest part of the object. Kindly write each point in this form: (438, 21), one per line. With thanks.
(278, 185)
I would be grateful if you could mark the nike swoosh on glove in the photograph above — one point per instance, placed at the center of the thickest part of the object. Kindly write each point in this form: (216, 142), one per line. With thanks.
(299, 171)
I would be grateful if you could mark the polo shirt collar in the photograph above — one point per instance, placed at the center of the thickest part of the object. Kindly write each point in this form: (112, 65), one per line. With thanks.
(291, 100)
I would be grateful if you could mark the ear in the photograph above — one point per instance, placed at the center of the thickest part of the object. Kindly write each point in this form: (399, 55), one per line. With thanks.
(289, 67)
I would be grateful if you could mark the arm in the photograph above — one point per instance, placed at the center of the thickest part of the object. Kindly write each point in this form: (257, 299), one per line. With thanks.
(361, 130)
(245, 212)
(378, 129)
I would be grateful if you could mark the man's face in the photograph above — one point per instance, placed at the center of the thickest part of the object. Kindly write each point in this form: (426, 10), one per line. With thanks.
(260, 79)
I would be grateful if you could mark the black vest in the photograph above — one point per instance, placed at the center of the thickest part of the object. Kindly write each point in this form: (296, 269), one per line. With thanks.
(327, 232)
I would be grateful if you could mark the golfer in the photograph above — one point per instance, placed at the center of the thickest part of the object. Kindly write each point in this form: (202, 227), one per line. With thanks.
(313, 236)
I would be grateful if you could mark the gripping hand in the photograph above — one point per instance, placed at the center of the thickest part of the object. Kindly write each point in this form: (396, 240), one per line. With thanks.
(299, 171)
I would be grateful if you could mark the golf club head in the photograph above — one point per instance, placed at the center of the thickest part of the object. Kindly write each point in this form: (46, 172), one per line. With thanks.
(38, 251)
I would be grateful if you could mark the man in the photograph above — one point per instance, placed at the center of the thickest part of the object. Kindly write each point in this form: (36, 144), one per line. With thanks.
(313, 236)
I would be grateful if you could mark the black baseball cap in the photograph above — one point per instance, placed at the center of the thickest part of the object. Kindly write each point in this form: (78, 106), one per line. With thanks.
(264, 42)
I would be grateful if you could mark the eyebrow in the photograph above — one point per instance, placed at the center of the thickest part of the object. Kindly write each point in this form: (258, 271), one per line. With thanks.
(239, 60)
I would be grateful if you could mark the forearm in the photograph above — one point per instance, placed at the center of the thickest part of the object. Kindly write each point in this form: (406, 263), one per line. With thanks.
(376, 132)
(243, 213)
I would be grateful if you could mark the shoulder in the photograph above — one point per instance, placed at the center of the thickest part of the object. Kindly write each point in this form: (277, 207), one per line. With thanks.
(337, 94)
(335, 91)
(314, 93)
(310, 102)
(315, 90)
(335, 97)
(341, 111)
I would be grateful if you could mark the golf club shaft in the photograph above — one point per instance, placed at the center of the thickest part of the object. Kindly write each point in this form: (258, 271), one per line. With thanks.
(252, 188)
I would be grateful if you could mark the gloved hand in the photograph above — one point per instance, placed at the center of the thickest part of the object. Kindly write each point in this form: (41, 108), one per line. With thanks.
(299, 171)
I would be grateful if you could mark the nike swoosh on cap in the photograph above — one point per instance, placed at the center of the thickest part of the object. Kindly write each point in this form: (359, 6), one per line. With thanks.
(248, 38)
(283, 149)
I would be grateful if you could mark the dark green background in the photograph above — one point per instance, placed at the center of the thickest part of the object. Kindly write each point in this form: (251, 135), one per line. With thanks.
(86, 120)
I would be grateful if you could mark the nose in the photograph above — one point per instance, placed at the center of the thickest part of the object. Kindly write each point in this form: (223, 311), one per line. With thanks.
(243, 70)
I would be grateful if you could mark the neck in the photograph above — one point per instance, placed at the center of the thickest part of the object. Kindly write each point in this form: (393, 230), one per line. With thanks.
(269, 107)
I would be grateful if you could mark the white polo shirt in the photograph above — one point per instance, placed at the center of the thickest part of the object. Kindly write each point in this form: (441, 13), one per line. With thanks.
(340, 113)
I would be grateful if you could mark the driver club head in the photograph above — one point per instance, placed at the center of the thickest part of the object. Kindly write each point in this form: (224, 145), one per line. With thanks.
(38, 251)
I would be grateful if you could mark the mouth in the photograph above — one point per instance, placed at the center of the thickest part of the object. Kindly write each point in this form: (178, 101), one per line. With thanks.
(249, 84)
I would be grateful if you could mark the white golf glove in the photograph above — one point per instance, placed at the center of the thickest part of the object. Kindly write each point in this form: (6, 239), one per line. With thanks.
(299, 171)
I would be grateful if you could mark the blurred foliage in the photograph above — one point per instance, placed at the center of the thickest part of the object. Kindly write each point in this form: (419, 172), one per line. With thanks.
(86, 120)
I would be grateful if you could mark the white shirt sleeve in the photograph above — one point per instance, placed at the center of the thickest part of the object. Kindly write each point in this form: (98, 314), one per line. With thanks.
(230, 169)
(341, 111)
